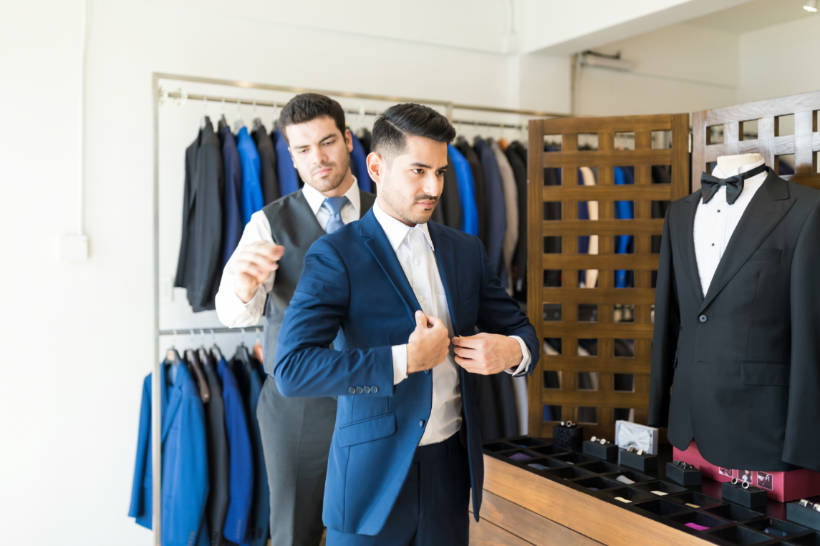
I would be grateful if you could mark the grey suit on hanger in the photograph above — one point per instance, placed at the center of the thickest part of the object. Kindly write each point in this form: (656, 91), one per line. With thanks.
(296, 432)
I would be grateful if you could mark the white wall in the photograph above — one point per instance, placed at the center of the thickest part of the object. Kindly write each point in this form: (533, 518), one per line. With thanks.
(78, 337)
(681, 68)
(780, 60)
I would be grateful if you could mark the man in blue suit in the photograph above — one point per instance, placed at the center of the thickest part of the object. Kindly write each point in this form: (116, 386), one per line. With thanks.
(406, 446)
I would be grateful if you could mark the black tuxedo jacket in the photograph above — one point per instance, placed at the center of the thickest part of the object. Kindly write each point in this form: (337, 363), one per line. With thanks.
(738, 371)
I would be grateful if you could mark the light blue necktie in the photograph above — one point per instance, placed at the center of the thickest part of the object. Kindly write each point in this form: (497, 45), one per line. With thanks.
(334, 206)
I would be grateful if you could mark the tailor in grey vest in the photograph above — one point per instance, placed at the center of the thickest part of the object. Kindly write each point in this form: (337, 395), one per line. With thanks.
(294, 226)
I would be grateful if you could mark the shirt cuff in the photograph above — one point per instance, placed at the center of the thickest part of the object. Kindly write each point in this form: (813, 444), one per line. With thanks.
(399, 363)
(232, 312)
(521, 369)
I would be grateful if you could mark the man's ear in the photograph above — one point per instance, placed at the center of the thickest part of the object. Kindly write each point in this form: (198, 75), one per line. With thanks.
(375, 166)
(349, 141)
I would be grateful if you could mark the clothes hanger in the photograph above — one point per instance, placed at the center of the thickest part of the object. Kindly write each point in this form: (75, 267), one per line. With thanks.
(216, 352)
(238, 124)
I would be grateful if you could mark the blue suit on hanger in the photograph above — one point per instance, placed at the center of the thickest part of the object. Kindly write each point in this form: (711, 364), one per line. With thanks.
(252, 199)
(353, 280)
(624, 210)
(288, 177)
(240, 472)
(358, 164)
(184, 460)
(466, 191)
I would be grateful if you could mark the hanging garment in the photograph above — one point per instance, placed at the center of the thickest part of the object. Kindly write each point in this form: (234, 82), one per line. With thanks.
(466, 190)
(450, 202)
(511, 204)
(517, 156)
(184, 460)
(358, 164)
(588, 177)
(478, 182)
(200, 249)
(496, 209)
(288, 177)
(241, 477)
(252, 199)
(217, 504)
(267, 163)
(248, 378)
(232, 193)
(623, 210)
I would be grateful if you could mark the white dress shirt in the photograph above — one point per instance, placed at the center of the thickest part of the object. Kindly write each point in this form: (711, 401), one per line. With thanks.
(414, 250)
(715, 221)
(232, 312)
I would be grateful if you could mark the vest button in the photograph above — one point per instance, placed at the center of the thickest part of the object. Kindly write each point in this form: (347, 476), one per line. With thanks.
(374, 389)
(702, 319)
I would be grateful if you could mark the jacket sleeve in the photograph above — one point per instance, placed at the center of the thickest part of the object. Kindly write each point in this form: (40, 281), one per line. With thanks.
(802, 441)
(185, 510)
(665, 337)
(140, 507)
(305, 366)
(498, 313)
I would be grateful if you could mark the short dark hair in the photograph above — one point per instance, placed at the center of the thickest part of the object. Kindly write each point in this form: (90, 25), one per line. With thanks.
(309, 106)
(390, 130)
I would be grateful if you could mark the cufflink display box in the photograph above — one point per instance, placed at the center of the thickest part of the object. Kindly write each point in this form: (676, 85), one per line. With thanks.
(641, 463)
(687, 478)
(779, 529)
(568, 438)
(607, 452)
(803, 515)
(750, 498)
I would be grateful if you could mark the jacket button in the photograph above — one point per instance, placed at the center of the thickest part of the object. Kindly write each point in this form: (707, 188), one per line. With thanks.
(351, 390)
(703, 318)
(367, 389)
(359, 390)
(421, 423)
(374, 389)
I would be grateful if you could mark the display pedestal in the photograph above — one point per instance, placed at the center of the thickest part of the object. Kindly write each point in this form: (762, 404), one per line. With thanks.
(779, 486)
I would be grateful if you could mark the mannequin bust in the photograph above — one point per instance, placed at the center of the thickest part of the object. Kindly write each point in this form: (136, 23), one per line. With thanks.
(730, 165)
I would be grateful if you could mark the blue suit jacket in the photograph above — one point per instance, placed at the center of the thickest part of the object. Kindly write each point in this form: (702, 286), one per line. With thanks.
(466, 191)
(358, 165)
(624, 210)
(288, 177)
(184, 461)
(352, 280)
(252, 199)
(240, 472)
(232, 194)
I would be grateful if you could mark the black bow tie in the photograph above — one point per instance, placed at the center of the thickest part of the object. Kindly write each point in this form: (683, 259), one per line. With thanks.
(734, 184)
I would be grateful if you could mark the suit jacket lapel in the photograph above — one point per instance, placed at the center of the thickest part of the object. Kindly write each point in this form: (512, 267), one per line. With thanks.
(766, 209)
(445, 256)
(685, 243)
(379, 246)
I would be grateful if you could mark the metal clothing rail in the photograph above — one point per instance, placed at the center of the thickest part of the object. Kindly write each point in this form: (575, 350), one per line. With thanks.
(158, 95)
(209, 331)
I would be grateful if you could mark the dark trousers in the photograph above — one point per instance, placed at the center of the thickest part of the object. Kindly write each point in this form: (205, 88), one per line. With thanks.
(431, 508)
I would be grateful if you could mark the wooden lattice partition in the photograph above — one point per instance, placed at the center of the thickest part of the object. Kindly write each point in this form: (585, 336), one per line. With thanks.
(554, 392)
(784, 131)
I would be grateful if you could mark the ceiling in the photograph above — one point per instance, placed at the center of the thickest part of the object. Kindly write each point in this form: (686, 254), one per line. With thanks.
(753, 15)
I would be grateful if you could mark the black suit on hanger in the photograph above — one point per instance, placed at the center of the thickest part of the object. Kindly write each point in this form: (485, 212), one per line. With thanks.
(517, 156)
(217, 441)
(267, 164)
(738, 371)
(200, 252)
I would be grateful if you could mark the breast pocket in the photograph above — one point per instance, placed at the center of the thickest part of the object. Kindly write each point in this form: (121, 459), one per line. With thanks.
(767, 255)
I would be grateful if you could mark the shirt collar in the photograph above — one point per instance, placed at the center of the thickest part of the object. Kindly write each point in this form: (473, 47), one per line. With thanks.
(397, 230)
(315, 198)
(725, 173)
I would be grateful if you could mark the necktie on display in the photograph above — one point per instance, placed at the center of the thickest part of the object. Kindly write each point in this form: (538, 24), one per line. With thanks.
(334, 206)
(734, 184)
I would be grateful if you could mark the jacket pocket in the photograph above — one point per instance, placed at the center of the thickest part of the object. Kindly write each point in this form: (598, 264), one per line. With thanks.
(367, 430)
(764, 373)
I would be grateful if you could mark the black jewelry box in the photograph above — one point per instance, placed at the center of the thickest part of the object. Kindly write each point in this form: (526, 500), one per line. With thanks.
(568, 438)
(607, 452)
(803, 515)
(642, 463)
(685, 477)
(753, 497)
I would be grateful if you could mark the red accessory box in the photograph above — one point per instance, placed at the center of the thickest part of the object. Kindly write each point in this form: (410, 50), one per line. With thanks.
(779, 485)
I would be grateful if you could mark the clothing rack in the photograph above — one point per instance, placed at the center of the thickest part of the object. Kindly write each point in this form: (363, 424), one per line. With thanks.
(209, 331)
(159, 95)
